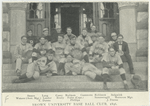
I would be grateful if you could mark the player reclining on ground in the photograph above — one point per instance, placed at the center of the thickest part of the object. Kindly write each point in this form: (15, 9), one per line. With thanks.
(75, 65)
(44, 65)
(112, 63)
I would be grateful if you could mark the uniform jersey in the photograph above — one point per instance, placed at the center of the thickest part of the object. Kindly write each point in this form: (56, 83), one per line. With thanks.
(43, 63)
(45, 46)
(84, 42)
(59, 48)
(69, 48)
(22, 49)
(99, 48)
(32, 40)
(112, 61)
(110, 43)
(67, 39)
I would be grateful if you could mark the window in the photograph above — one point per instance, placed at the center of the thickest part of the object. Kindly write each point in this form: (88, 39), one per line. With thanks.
(36, 11)
(107, 10)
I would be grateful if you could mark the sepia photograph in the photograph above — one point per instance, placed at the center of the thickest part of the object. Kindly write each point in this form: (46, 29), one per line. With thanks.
(75, 47)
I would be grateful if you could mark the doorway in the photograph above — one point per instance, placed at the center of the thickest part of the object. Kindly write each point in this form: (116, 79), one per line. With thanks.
(70, 18)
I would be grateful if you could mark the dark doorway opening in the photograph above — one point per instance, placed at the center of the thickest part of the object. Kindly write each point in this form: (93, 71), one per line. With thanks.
(70, 18)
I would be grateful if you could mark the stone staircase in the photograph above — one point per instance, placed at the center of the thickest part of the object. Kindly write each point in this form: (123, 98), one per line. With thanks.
(68, 83)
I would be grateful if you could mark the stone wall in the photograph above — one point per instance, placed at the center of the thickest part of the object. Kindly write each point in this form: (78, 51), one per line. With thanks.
(6, 31)
(142, 30)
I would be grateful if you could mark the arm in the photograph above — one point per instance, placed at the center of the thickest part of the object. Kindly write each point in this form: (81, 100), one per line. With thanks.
(126, 49)
(105, 64)
(78, 41)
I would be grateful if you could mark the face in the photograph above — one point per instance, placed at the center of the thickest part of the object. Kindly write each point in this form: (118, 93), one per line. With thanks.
(42, 40)
(120, 39)
(84, 32)
(49, 56)
(59, 30)
(24, 40)
(112, 52)
(69, 31)
(101, 39)
(93, 38)
(69, 58)
(60, 39)
(73, 41)
(42, 61)
(45, 33)
(93, 28)
(114, 37)
(29, 33)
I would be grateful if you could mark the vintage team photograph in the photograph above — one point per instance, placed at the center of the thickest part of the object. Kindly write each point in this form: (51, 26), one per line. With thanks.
(75, 46)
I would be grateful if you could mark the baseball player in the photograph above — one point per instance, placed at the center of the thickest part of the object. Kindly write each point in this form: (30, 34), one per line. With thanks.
(112, 63)
(98, 49)
(44, 65)
(84, 40)
(42, 46)
(68, 35)
(31, 38)
(23, 52)
(76, 66)
(59, 47)
(114, 39)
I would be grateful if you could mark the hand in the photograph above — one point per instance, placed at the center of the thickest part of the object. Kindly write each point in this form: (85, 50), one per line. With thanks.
(48, 75)
(19, 56)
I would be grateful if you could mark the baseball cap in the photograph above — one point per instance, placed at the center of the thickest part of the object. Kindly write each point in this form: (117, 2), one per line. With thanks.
(45, 29)
(113, 34)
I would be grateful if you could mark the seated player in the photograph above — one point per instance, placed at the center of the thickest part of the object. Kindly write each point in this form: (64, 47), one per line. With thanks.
(112, 63)
(46, 35)
(122, 48)
(42, 46)
(93, 30)
(76, 66)
(44, 65)
(68, 35)
(68, 49)
(94, 38)
(23, 52)
(98, 49)
(59, 47)
(74, 45)
(113, 39)
(31, 38)
(84, 40)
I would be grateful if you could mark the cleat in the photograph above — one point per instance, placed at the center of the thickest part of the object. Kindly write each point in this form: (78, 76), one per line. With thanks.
(126, 87)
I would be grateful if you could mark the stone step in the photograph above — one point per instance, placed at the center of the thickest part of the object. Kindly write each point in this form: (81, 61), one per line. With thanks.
(62, 86)
(78, 78)
(135, 64)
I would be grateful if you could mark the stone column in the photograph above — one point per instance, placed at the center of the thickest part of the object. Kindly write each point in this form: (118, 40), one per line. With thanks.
(127, 18)
(127, 21)
(17, 22)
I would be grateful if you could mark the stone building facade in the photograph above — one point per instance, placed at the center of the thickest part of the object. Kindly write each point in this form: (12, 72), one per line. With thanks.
(132, 20)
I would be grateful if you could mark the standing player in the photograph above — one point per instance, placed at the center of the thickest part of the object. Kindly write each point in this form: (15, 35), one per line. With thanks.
(112, 63)
(44, 65)
(22, 53)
